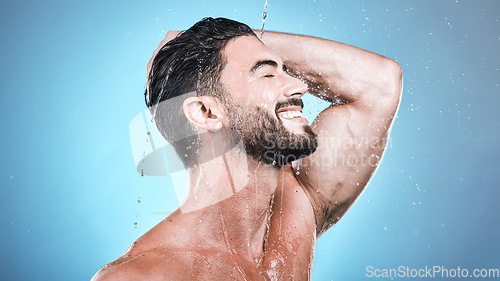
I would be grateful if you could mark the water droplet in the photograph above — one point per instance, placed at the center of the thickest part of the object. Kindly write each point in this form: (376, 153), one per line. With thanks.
(264, 16)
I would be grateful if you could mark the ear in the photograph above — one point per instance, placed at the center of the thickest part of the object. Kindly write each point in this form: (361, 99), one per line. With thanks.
(204, 112)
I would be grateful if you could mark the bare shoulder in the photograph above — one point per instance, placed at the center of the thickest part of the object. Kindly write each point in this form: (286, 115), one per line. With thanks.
(165, 264)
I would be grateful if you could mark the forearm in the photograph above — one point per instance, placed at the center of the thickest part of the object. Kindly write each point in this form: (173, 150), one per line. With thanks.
(335, 70)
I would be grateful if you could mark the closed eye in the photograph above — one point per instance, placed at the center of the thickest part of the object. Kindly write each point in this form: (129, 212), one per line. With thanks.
(273, 75)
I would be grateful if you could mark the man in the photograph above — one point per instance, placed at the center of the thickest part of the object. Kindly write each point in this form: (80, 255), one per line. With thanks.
(230, 104)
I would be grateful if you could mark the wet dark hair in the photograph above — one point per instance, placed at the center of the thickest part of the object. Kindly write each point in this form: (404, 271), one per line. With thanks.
(189, 65)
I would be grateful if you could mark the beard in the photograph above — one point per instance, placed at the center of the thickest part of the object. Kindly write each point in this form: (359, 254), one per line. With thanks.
(265, 137)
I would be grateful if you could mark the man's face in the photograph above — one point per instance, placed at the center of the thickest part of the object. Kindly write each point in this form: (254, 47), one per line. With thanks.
(264, 103)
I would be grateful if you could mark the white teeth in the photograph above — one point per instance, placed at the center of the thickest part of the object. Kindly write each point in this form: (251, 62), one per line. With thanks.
(291, 114)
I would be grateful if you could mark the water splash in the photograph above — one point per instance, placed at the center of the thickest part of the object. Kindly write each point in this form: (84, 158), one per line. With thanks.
(282, 203)
(282, 187)
(264, 16)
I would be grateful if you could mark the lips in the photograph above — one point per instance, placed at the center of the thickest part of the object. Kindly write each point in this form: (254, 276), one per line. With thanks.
(294, 106)
(290, 112)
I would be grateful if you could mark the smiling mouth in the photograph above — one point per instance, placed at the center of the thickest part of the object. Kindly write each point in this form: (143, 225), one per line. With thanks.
(290, 108)
(290, 113)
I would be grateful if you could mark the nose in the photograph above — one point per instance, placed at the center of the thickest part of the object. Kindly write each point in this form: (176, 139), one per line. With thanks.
(295, 87)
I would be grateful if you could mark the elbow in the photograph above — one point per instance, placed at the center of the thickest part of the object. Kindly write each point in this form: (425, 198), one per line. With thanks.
(394, 69)
(391, 76)
(394, 78)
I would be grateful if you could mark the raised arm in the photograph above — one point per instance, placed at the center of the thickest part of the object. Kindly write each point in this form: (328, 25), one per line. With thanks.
(353, 133)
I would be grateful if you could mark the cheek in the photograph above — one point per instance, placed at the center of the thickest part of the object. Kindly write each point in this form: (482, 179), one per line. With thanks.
(252, 95)
(269, 97)
(263, 95)
(252, 92)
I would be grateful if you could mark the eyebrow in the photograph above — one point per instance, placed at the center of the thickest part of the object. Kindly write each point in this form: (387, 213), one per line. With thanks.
(261, 63)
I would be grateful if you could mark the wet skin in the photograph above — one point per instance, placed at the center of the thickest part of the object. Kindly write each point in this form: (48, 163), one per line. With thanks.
(244, 220)
(202, 245)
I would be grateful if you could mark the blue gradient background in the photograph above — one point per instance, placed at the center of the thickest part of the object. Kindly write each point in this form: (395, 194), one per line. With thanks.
(72, 77)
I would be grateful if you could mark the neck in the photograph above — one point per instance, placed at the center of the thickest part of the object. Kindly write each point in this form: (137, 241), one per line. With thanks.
(232, 194)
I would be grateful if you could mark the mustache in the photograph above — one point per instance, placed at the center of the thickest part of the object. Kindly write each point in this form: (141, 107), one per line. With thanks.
(290, 102)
